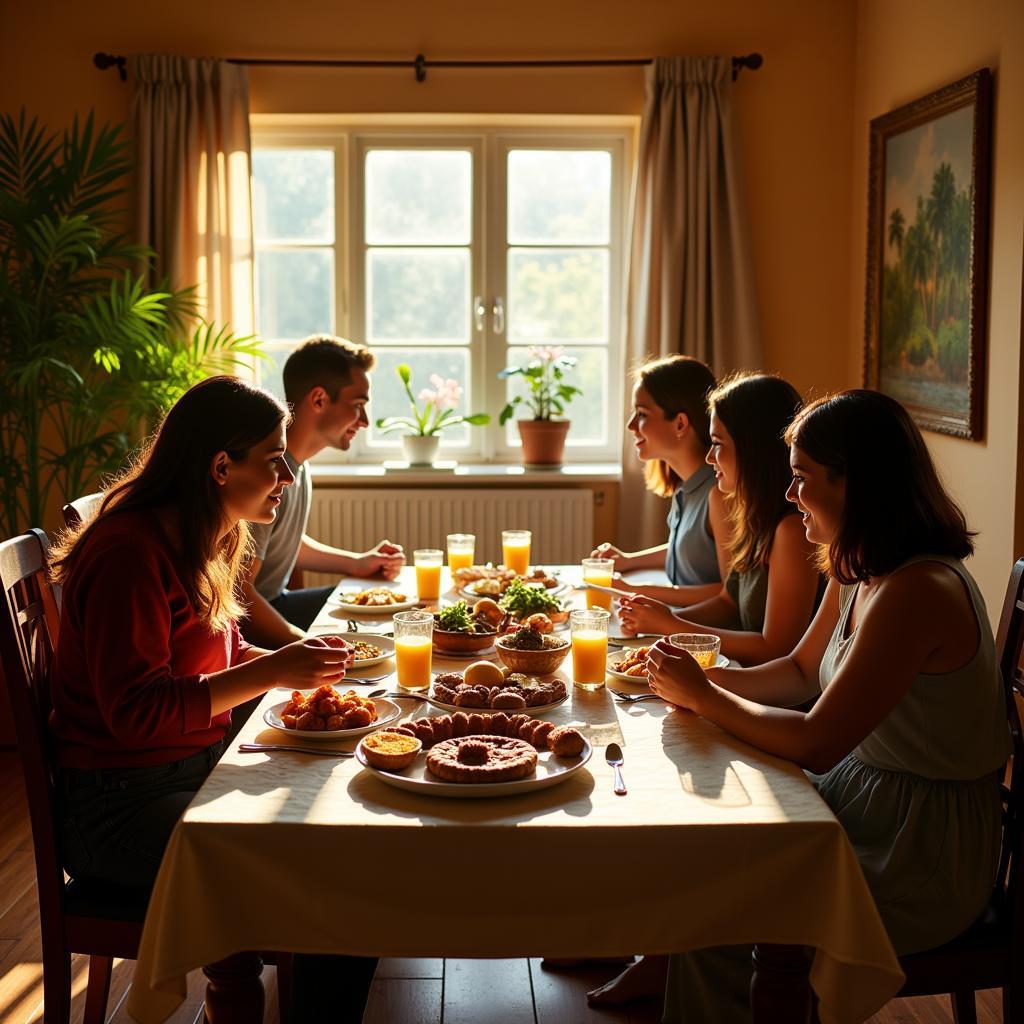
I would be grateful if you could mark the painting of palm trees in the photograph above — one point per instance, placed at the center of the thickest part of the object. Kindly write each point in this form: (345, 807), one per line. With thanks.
(927, 250)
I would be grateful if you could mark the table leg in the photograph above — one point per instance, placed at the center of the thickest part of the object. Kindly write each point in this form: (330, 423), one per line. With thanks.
(780, 992)
(234, 990)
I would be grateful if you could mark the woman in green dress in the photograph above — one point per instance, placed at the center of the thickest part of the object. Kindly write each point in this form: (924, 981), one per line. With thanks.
(909, 733)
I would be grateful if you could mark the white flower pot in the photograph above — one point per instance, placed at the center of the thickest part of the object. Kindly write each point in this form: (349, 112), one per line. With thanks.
(419, 449)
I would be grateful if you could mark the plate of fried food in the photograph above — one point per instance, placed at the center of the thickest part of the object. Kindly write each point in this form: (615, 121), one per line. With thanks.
(325, 714)
(474, 755)
(488, 581)
(631, 664)
(485, 687)
(373, 600)
(370, 648)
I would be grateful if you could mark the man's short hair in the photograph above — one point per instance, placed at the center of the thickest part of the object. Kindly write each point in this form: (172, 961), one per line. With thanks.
(323, 361)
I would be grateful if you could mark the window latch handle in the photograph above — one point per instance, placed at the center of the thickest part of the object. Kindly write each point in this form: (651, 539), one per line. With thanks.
(498, 315)
(479, 312)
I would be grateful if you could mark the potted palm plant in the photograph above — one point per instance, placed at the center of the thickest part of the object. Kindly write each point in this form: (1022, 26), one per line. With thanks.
(90, 356)
(547, 394)
(422, 430)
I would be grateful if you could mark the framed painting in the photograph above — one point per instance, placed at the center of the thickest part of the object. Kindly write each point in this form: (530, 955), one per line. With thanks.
(927, 268)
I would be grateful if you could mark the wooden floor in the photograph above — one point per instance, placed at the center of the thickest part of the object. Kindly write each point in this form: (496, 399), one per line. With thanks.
(404, 991)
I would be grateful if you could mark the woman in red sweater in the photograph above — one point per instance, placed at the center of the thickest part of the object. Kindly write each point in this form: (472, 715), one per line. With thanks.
(150, 662)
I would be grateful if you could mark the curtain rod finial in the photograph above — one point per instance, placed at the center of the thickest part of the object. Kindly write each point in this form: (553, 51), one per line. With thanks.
(421, 68)
(108, 60)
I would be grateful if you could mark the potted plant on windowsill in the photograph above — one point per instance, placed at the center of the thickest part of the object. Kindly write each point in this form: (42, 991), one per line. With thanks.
(423, 429)
(547, 394)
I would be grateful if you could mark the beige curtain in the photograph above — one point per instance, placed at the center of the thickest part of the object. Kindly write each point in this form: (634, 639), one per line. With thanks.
(691, 282)
(194, 158)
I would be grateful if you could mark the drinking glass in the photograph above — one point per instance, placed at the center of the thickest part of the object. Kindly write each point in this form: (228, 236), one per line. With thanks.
(599, 571)
(589, 628)
(461, 548)
(515, 550)
(703, 646)
(414, 632)
(428, 562)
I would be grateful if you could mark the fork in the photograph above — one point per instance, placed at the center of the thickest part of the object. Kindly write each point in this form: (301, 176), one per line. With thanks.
(632, 698)
(259, 748)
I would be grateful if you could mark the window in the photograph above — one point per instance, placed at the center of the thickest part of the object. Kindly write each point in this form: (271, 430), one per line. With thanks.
(453, 251)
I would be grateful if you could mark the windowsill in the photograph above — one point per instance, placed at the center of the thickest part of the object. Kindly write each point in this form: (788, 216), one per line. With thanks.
(463, 474)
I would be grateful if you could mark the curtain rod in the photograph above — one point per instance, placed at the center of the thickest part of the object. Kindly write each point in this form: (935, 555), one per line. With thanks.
(420, 64)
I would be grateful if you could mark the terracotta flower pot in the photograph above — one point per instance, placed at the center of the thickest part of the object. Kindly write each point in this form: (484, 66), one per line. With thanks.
(543, 441)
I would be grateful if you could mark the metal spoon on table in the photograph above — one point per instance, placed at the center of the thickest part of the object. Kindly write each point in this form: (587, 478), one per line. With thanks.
(613, 755)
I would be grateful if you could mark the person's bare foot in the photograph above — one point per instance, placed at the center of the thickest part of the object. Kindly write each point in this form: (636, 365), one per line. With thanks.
(646, 977)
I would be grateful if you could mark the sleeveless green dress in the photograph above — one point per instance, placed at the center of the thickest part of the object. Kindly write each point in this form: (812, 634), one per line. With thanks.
(919, 797)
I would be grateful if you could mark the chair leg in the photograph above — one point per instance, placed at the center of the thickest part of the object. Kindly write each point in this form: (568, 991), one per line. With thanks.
(56, 987)
(284, 987)
(98, 992)
(964, 1010)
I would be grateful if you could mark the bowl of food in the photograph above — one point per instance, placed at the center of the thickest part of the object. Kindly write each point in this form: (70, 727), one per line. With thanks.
(522, 600)
(457, 630)
(531, 652)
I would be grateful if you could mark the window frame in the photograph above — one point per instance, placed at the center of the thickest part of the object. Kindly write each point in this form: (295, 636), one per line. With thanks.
(489, 139)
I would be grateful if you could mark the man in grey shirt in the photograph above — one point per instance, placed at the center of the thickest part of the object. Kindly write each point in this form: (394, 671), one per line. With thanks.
(327, 384)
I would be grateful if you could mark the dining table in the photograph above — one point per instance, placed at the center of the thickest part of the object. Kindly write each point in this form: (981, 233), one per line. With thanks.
(714, 843)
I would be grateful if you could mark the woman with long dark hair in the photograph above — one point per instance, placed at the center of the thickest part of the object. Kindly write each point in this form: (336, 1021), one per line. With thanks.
(773, 585)
(671, 435)
(149, 662)
(909, 731)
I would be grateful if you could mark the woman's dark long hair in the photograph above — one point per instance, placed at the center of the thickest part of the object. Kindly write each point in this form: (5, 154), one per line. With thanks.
(896, 506)
(756, 409)
(172, 470)
(676, 384)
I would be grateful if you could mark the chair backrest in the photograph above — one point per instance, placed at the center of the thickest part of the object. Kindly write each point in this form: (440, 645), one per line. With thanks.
(1009, 644)
(29, 623)
(81, 509)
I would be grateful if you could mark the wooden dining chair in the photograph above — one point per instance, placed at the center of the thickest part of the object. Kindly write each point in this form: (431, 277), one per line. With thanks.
(98, 920)
(990, 954)
(80, 509)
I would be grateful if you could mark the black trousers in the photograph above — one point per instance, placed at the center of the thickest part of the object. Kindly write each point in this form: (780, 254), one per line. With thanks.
(114, 825)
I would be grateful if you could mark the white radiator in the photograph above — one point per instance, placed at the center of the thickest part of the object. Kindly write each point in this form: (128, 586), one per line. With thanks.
(561, 520)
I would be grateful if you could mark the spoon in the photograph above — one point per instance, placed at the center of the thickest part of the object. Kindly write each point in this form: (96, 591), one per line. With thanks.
(613, 755)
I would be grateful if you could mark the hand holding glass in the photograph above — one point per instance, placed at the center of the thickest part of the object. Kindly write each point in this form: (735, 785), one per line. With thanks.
(703, 646)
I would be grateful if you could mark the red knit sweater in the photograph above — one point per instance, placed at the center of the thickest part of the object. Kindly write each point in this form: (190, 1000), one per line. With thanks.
(129, 681)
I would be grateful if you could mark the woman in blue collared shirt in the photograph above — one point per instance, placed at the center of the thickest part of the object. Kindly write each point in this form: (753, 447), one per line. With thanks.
(670, 427)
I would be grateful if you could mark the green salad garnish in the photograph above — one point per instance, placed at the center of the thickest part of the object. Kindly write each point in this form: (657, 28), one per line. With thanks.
(525, 600)
(456, 618)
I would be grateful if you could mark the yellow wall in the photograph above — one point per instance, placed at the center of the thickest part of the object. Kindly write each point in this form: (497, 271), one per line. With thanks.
(794, 112)
(906, 49)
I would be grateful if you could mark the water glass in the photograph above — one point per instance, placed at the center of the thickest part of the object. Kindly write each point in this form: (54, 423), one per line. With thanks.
(589, 628)
(703, 646)
(428, 562)
(414, 636)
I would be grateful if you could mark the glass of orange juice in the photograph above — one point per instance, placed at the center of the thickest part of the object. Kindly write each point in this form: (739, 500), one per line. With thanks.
(414, 634)
(461, 547)
(599, 571)
(703, 646)
(515, 550)
(428, 562)
(589, 647)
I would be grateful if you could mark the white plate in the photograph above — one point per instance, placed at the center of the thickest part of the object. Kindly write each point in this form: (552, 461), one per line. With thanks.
(452, 708)
(385, 643)
(387, 712)
(613, 659)
(550, 771)
(342, 609)
(471, 591)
